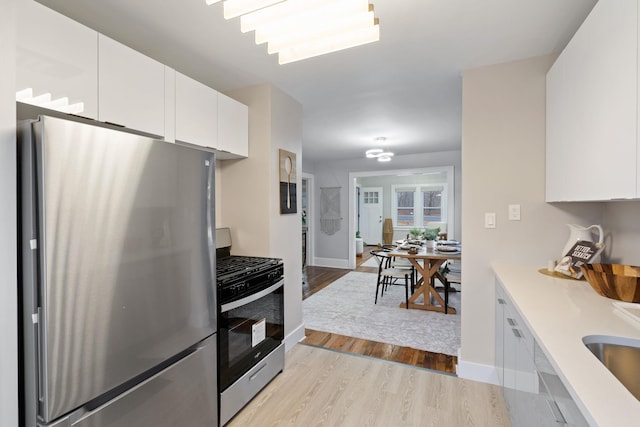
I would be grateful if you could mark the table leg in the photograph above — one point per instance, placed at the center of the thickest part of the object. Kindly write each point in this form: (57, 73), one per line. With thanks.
(429, 271)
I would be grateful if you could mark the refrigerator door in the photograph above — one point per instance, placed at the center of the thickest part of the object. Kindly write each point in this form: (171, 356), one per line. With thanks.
(191, 382)
(125, 257)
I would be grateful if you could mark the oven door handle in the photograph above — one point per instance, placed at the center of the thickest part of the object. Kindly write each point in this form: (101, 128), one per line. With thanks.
(251, 298)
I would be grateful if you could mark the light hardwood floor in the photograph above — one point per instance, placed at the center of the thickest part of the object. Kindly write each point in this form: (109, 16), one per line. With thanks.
(321, 387)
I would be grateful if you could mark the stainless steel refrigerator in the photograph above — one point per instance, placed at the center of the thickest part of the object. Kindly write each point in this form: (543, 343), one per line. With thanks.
(118, 279)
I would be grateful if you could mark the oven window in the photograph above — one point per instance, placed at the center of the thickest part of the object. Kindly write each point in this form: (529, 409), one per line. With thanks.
(248, 333)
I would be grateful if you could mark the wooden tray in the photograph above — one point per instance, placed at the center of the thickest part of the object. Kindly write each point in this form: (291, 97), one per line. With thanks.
(557, 275)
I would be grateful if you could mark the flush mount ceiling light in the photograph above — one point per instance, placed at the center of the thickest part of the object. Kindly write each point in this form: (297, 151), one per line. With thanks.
(379, 153)
(300, 29)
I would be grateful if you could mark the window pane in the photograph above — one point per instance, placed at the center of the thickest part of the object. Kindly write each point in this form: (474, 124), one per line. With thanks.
(404, 214)
(431, 206)
(370, 197)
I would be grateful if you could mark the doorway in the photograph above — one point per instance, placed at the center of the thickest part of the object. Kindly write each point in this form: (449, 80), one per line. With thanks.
(308, 229)
(393, 182)
(370, 214)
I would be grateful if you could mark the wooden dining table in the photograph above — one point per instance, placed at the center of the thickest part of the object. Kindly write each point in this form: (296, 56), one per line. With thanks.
(427, 263)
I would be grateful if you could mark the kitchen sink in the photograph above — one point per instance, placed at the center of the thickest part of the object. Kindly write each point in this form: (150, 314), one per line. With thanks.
(621, 356)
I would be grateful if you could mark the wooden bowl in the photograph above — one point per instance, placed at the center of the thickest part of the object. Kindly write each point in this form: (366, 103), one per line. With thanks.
(616, 281)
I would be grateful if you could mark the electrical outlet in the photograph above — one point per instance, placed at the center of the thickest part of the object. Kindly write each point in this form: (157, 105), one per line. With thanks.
(514, 212)
(490, 220)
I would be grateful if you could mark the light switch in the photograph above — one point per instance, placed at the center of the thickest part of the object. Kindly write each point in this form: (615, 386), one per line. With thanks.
(490, 220)
(514, 212)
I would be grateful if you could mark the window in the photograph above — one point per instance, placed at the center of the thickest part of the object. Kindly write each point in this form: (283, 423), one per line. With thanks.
(405, 208)
(370, 197)
(431, 206)
(416, 206)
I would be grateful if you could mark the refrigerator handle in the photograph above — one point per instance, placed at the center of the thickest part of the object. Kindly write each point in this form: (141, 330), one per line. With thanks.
(39, 356)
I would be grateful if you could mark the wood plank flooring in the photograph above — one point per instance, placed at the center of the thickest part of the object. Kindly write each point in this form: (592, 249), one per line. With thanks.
(318, 278)
(320, 387)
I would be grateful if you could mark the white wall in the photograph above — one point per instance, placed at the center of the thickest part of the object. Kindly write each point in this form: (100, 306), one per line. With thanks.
(621, 226)
(249, 193)
(503, 162)
(333, 250)
(8, 242)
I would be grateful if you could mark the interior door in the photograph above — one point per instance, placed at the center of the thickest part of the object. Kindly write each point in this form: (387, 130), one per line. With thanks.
(371, 215)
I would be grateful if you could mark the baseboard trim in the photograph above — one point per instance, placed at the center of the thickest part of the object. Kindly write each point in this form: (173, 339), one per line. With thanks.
(477, 372)
(331, 262)
(294, 337)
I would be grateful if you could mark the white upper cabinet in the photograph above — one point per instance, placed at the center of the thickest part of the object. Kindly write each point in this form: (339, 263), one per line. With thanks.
(196, 112)
(130, 88)
(592, 109)
(58, 56)
(233, 128)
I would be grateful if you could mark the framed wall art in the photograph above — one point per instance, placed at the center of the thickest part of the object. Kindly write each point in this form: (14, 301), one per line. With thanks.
(288, 192)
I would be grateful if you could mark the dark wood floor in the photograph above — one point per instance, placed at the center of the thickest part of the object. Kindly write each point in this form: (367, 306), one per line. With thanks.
(317, 278)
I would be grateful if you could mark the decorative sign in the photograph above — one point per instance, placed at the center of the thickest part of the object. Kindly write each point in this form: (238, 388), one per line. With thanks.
(288, 194)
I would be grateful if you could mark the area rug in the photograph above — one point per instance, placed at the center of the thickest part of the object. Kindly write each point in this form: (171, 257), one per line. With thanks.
(346, 307)
(371, 262)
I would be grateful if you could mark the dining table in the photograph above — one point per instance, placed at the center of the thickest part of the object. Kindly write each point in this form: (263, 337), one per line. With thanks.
(427, 263)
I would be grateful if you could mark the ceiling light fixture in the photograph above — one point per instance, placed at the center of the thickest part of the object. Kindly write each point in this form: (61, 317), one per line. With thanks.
(379, 153)
(300, 29)
(373, 153)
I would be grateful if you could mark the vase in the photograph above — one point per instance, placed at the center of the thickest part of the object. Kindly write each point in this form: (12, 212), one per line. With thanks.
(577, 232)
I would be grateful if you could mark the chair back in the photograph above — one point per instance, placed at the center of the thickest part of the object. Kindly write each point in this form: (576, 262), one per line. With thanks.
(382, 257)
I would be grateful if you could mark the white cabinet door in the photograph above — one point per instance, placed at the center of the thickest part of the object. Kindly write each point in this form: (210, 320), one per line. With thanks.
(534, 394)
(130, 88)
(56, 55)
(196, 112)
(233, 127)
(592, 111)
(499, 343)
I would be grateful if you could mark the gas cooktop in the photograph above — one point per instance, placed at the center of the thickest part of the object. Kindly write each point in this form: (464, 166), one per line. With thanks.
(232, 266)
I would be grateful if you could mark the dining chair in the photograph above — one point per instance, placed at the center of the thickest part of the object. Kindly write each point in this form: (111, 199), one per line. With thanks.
(405, 264)
(389, 275)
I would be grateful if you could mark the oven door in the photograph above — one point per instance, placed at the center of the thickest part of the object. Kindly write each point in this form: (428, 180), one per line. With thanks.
(249, 329)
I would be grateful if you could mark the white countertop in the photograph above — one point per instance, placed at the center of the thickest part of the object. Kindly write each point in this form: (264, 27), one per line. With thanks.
(559, 312)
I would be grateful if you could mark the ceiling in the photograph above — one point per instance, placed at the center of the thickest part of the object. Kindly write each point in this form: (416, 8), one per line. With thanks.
(406, 87)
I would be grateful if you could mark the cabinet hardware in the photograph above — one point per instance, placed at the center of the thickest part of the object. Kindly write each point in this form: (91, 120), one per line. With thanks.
(555, 411)
(517, 333)
(501, 301)
(511, 322)
(254, 376)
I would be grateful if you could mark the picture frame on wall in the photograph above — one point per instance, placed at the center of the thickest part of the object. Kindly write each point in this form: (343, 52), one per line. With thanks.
(287, 176)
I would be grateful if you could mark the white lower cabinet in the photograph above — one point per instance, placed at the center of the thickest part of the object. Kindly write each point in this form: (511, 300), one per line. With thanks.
(130, 88)
(533, 393)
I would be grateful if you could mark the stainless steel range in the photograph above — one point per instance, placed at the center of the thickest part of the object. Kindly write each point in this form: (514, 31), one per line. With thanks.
(250, 324)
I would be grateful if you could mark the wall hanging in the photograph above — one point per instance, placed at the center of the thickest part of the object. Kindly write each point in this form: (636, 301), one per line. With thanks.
(330, 219)
(288, 194)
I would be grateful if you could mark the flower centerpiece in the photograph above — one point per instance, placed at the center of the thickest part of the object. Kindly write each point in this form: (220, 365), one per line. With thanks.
(430, 235)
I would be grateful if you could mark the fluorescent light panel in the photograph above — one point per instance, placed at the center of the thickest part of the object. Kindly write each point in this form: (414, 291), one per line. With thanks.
(300, 29)
(235, 8)
(329, 28)
(304, 9)
(330, 44)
